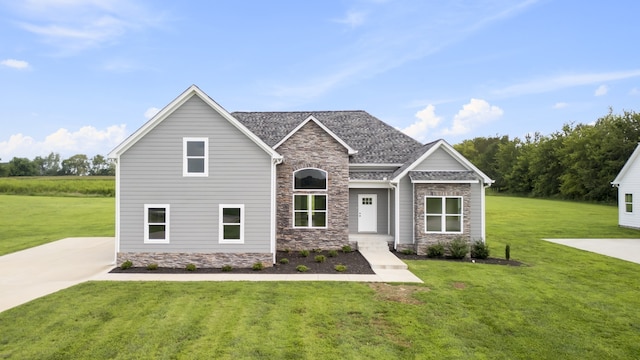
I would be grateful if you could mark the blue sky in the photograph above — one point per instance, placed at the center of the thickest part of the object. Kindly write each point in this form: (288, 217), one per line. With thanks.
(79, 76)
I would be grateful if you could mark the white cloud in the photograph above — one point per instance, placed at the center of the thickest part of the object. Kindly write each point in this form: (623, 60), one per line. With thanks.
(601, 90)
(87, 140)
(477, 112)
(560, 105)
(563, 81)
(151, 112)
(352, 19)
(16, 64)
(75, 25)
(427, 119)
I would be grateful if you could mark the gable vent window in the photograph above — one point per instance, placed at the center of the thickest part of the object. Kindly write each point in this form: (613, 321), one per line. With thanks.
(196, 157)
(310, 199)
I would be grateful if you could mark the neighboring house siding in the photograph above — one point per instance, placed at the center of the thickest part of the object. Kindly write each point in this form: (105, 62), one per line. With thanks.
(151, 173)
(439, 160)
(630, 184)
(382, 207)
(312, 147)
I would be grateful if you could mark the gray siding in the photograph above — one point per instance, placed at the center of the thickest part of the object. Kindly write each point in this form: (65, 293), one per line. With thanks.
(405, 223)
(439, 160)
(382, 211)
(476, 215)
(151, 173)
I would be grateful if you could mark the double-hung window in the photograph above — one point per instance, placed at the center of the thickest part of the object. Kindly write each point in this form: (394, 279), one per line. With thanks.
(156, 223)
(231, 224)
(628, 202)
(443, 214)
(310, 198)
(195, 157)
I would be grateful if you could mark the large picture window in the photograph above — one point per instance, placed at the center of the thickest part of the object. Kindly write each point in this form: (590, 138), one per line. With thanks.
(156, 223)
(628, 202)
(443, 214)
(310, 211)
(196, 157)
(231, 225)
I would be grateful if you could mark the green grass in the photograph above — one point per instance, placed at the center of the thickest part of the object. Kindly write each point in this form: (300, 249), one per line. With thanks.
(565, 304)
(59, 186)
(28, 221)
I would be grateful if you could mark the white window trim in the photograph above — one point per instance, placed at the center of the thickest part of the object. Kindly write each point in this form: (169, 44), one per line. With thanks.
(309, 211)
(221, 224)
(185, 158)
(626, 203)
(166, 224)
(444, 215)
(326, 181)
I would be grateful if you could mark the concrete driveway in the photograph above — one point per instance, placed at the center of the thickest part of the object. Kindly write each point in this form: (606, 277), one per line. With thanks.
(624, 249)
(42, 270)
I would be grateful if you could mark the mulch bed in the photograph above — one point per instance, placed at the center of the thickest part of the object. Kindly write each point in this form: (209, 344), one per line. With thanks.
(493, 261)
(356, 264)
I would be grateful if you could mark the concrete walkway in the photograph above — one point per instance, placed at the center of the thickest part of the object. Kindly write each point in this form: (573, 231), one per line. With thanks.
(29, 274)
(624, 249)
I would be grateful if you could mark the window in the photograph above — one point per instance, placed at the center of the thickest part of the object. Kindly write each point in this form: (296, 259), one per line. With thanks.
(443, 214)
(231, 225)
(156, 224)
(628, 202)
(310, 211)
(196, 157)
(310, 179)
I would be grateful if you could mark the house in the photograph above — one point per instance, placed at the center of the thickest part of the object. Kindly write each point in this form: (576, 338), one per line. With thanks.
(197, 184)
(628, 184)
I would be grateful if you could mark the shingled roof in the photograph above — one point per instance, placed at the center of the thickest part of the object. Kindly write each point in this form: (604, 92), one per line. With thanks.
(375, 141)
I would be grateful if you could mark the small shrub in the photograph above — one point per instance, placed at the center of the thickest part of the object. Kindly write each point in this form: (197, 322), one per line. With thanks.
(304, 253)
(318, 250)
(125, 265)
(191, 267)
(152, 266)
(287, 250)
(302, 268)
(458, 248)
(332, 253)
(227, 268)
(347, 249)
(284, 261)
(479, 250)
(320, 258)
(435, 250)
(408, 251)
(257, 266)
(340, 268)
(507, 252)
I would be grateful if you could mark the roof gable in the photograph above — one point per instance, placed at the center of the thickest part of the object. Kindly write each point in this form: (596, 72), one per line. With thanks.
(428, 149)
(172, 107)
(627, 166)
(350, 150)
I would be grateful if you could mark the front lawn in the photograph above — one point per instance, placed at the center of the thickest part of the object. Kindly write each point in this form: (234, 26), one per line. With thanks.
(565, 304)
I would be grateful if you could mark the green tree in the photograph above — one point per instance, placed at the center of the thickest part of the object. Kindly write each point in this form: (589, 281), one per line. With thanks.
(22, 167)
(76, 165)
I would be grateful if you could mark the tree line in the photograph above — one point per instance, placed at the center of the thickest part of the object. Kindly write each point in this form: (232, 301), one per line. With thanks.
(52, 165)
(577, 162)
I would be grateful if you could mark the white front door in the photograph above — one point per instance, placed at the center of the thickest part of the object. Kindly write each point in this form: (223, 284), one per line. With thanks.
(367, 213)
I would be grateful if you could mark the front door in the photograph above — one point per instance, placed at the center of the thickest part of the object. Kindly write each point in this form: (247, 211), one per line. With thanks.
(367, 213)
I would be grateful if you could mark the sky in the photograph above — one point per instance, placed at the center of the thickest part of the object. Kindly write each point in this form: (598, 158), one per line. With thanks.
(79, 76)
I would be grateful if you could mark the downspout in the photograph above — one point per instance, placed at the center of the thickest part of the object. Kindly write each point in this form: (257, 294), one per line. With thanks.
(117, 222)
(396, 213)
(274, 162)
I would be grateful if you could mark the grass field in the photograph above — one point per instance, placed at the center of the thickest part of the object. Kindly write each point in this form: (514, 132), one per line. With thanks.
(28, 221)
(565, 304)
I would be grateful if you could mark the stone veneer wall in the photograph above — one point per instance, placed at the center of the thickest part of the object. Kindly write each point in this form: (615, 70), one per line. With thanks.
(424, 240)
(201, 260)
(312, 147)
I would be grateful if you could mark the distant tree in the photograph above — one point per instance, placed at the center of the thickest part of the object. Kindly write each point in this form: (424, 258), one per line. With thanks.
(22, 167)
(101, 166)
(76, 165)
(51, 164)
(4, 169)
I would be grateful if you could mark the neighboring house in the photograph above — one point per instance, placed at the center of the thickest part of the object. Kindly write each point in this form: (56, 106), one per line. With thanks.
(197, 184)
(628, 184)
